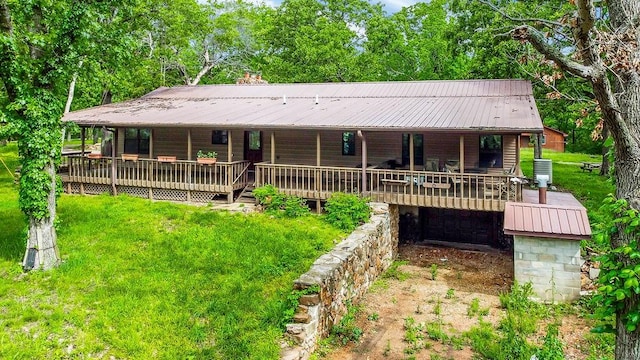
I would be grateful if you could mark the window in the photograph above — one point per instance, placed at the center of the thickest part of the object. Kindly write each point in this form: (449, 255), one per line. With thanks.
(543, 140)
(418, 149)
(136, 141)
(348, 143)
(220, 137)
(490, 154)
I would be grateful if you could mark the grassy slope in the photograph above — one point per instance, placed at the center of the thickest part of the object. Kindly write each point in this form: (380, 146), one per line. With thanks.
(147, 280)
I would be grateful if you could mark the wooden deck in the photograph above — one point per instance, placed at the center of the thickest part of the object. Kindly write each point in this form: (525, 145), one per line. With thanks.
(183, 180)
(134, 177)
(414, 188)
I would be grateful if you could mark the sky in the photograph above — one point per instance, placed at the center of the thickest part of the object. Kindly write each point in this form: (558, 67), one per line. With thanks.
(390, 6)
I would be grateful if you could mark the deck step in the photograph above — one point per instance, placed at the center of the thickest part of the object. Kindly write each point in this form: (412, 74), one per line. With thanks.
(246, 196)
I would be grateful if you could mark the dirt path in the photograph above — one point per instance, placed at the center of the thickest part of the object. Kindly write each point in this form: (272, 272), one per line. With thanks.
(463, 279)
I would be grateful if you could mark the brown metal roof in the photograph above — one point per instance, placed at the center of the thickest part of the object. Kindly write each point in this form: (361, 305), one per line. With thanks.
(469, 105)
(548, 221)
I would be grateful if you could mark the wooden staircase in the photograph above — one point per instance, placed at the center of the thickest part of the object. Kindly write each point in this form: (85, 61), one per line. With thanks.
(246, 195)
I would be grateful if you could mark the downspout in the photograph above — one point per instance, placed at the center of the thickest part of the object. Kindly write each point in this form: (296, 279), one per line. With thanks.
(364, 160)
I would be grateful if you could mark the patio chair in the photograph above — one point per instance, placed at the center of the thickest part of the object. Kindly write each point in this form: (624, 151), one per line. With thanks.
(452, 164)
(432, 164)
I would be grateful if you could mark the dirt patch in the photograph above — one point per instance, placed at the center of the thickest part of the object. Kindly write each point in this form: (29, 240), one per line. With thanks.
(466, 288)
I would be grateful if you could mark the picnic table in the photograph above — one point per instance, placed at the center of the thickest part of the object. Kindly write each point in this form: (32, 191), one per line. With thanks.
(588, 166)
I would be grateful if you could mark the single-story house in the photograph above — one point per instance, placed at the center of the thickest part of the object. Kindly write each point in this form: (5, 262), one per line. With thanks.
(551, 139)
(447, 151)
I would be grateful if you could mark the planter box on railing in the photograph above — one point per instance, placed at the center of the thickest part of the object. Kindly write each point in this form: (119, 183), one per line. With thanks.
(130, 157)
(167, 159)
(207, 161)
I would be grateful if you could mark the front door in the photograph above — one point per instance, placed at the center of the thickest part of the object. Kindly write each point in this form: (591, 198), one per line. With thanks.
(253, 147)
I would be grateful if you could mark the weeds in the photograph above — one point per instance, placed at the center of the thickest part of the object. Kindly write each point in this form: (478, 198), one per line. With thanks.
(394, 273)
(346, 211)
(434, 271)
(347, 330)
(450, 294)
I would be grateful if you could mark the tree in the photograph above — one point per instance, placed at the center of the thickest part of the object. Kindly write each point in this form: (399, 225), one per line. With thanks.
(605, 52)
(41, 44)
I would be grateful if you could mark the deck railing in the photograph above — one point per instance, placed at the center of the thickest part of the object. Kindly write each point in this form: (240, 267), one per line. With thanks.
(403, 187)
(151, 173)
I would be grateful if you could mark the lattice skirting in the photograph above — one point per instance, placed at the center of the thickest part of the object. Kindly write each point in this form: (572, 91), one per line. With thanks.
(134, 191)
(144, 193)
(71, 188)
(97, 189)
(202, 197)
(167, 194)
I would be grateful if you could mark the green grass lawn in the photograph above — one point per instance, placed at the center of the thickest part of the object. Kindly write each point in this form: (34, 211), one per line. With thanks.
(146, 280)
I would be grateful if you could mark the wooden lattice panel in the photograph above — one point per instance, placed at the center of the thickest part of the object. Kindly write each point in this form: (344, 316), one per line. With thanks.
(97, 189)
(202, 196)
(134, 191)
(167, 194)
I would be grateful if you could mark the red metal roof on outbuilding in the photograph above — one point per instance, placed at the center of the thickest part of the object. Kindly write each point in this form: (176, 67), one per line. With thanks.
(549, 221)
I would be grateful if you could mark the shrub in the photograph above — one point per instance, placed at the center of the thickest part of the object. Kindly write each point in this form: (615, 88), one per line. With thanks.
(346, 212)
(278, 203)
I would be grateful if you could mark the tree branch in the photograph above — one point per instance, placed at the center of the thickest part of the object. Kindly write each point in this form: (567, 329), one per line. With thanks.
(538, 41)
(521, 20)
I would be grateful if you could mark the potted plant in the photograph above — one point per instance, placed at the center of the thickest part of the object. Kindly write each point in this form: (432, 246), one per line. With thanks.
(207, 158)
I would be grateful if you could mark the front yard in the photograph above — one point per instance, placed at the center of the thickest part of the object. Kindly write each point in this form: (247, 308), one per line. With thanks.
(147, 280)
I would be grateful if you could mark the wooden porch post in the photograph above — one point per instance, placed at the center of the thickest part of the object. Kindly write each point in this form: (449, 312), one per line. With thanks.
(273, 147)
(411, 152)
(364, 161)
(229, 147)
(151, 144)
(517, 167)
(189, 150)
(82, 135)
(461, 154)
(318, 152)
(113, 161)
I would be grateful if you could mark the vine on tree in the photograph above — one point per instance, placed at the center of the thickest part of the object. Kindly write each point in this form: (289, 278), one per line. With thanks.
(620, 268)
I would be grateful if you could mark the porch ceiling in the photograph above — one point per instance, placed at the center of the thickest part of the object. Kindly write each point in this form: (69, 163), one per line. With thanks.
(505, 106)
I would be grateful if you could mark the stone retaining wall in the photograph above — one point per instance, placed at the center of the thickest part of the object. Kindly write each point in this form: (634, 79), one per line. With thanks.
(551, 265)
(342, 275)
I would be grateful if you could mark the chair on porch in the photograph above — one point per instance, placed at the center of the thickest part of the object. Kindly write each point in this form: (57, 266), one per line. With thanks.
(432, 164)
(452, 165)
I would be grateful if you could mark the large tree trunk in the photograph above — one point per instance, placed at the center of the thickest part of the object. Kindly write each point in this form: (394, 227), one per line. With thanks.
(604, 169)
(42, 247)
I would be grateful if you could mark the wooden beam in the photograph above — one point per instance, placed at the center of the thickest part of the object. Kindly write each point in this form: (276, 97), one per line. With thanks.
(189, 145)
(151, 144)
(461, 154)
(411, 152)
(273, 147)
(517, 168)
(229, 146)
(318, 149)
(82, 136)
(363, 139)
(113, 162)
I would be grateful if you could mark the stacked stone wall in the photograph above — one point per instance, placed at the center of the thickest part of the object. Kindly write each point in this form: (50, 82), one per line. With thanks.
(343, 276)
(551, 265)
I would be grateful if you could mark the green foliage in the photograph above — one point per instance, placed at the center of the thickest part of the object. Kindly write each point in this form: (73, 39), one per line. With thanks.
(346, 211)
(434, 271)
(347, 331)
(277, 203)
(293, 300)
(200, 284)
(207, 154)
(394, 273)
(620, 268)
(552, 346)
